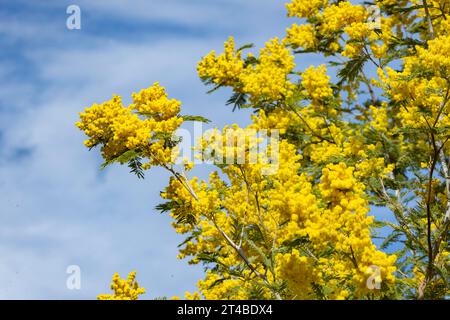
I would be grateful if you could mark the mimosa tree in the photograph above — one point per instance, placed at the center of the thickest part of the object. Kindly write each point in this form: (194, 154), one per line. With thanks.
(377, 136)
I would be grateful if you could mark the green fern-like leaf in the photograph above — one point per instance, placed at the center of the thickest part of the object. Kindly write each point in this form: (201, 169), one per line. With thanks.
(135, 166)
(238, 100)
(195, 118)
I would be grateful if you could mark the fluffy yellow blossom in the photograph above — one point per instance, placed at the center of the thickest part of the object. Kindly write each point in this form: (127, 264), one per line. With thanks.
(352, 49)
(265, 80)
(435, 57)
(317, 83)
(278, 119)
(144, 126)
(421, 98)
(338, 16)
(268, 80)
(380, 118)
(302, 36)
(224, 69)
(153, 102)
(373, 167)
(124, 289)
(215, 287)
(357, 30)
(324, 151)
(298, 271)
(305, 9)
(192, 296)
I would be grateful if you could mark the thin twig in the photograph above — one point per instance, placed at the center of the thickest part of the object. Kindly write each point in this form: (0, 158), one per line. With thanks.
(428, 16)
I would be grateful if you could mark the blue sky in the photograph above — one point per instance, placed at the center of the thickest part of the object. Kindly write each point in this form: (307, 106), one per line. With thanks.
(57, 207)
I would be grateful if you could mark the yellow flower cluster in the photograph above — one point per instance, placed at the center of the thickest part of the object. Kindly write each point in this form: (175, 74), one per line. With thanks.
(297, 270)
(266, 80)
(373, 167)
(216, 287)
(358, 30)
(337, 181)
(331, 213)
(338, 16)
(380, 119)
(153, 102)
(278, 119)
(305, 9)
(348, 229)
(302, 36)
(124, 289)
(421, 97)
(317, 83)
(345, 28)
(435, 57)
(442, 26)
(224, 69)
(438, 10)
(143, 126)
